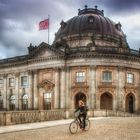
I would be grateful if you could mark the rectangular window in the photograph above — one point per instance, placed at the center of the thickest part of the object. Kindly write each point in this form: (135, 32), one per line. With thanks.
(47, 101)
(80, 77)
(1, 83)
(130, 78)
(11, 82)
(107, 76)
(24, 81)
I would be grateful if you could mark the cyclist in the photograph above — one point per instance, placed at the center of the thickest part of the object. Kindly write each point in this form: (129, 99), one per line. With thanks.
(82, 109)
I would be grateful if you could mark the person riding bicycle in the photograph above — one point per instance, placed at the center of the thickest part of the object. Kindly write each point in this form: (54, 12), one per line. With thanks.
(82, 109)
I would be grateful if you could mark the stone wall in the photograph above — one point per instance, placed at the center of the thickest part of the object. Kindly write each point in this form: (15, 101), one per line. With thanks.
(21, 117)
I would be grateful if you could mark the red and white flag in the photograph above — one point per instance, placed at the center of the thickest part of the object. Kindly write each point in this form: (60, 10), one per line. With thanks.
(44, 24)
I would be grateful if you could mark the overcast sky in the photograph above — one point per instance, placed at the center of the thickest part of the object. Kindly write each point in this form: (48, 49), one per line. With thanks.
(19, 20)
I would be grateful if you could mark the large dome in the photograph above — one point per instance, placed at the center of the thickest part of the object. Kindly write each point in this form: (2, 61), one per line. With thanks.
(90, 22)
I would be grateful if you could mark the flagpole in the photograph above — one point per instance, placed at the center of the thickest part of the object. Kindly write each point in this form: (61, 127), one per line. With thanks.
(48, 28)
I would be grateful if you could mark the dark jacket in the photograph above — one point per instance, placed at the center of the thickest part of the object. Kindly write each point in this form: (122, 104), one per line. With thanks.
(82, 110)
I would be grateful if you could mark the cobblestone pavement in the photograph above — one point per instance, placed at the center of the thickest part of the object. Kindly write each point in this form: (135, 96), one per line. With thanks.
(101, 129)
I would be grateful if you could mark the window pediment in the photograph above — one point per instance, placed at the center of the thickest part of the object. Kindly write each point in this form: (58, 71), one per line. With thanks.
(46, 84)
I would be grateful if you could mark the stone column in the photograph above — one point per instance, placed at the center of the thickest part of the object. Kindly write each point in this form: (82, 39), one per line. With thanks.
(62, 89)
(114, 103)
(35, 93)
(97, 90)
(17, 90)
(30, 93)
(68, 91)
(117, 89)
(56, 89)
(92, 87)
(136, 103)
(120, 94)
(5, 99)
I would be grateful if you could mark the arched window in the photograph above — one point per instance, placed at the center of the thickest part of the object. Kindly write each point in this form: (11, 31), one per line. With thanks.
(130, 103)
(47, 101)
(1, 102)
(79, 96)
(12, 102)
(25, 102)
(106, 101)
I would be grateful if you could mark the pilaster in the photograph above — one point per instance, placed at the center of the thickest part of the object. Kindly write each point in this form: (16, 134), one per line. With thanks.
(17, 74)
(120, 93)
(57, 89)
(5, 99)
(30, 83)
(63, 89)
(35, 89)
(68, 89)
(92, 91)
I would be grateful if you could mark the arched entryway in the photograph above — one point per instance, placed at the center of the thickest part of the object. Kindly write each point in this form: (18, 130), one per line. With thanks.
(79, 96)
(106, 101)
(130, 103)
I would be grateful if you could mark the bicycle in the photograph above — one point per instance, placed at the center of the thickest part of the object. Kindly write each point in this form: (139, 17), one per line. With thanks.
(73, 127)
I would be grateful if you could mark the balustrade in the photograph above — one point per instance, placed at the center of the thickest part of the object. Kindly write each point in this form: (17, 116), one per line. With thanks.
(11, 118)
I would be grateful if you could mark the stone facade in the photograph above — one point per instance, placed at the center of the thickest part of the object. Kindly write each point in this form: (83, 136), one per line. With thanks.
(102, 71)
(61, 82)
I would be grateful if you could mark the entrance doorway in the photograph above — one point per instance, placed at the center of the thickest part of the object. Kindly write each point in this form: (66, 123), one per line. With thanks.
(130, 102)
(79, 96)
(106, 101)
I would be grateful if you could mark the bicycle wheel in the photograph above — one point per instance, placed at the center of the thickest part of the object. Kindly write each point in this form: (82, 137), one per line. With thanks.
(73, 127)
(87, 124)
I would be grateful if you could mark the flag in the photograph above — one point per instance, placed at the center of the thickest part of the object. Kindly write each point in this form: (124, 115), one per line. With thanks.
(44, 24)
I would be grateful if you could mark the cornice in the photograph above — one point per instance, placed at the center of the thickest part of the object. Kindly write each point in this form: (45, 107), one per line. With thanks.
(88, 54)
(29, 61)
(103, 55)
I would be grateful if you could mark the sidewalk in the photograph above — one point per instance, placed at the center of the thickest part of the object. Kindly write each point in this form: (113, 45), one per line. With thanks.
(37, 125)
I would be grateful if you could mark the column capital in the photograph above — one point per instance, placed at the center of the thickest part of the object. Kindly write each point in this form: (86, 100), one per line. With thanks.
(92, 67)
(56, 69)
(17, 74)
(4, 75)
(120, 68)
(35, 71)
(65, 68)
(30, 72)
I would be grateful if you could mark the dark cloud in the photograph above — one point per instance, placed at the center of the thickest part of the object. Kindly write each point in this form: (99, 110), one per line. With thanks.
(19, 19)
(120, 6)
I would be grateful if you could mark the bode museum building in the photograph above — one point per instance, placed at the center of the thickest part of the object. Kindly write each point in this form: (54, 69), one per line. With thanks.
(89, 59)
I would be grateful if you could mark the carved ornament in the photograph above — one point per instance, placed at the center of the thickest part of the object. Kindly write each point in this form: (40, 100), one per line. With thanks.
(46, 85)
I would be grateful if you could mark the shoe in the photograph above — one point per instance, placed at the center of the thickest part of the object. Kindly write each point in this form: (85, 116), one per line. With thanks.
(83, 129)
(81, 126)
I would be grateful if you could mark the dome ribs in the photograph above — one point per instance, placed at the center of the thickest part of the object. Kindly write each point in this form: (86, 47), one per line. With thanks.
(90, 22)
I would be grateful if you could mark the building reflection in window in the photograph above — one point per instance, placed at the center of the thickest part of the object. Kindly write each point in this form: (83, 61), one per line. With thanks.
(12, 102)
(47, 101)
(25, 102)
